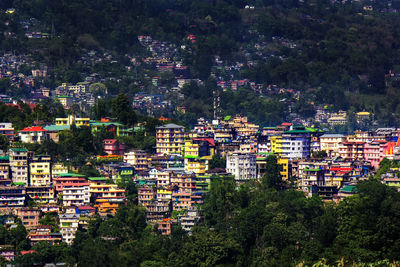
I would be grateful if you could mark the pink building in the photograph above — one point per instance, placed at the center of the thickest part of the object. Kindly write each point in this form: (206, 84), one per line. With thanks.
(113, 147)
(67, 179)
(374, 152)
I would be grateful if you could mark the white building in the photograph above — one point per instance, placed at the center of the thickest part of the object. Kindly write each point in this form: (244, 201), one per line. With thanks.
(138, 159)
(296, 143)
(34, 134)
(76, 194)
(242, 165)
(19, 165)
(330, 143)
(69, 223)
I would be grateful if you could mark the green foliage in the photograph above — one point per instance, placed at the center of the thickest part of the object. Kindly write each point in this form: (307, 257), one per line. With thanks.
(272, 177)
(217, 162)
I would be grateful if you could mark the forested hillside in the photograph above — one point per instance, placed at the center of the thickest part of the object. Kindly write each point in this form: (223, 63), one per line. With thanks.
(334, 53)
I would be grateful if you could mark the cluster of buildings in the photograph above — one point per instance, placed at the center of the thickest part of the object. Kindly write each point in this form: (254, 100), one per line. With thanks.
(175, 180)
(32, 186)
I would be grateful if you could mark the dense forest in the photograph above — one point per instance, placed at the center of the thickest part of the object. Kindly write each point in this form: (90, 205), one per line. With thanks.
(341, 57)
(258, 224)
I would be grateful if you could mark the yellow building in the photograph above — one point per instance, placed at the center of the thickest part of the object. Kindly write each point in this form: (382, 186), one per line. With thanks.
(40, 171)
(363, 116)
(107, 197)
(71, 119)
(196, 164)
(276, 145)
(169, 139)
(284, 162)
(66, 101)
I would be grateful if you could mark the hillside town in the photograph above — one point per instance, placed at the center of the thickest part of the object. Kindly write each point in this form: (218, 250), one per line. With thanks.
(172, 182)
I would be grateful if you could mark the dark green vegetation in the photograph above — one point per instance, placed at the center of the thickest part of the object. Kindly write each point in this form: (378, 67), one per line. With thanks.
(78, 145)
(253, 225)
(340, 57)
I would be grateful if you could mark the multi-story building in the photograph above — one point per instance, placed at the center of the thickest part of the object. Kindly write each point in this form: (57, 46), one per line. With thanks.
(19, 165)
(41, 193)
(7, 129)
(242, 166)
(43, 233)
(296, 143)
(69, 223)
(116, 128)
(146, 196)
(158, 210)
(76, 194)
(330, 143)
(62, 179)
(40, 170)
(138, 159)
(113, 147)
(5, 168)
(58, 168)
(169, 139)
(276, 145)
(12, 196)
(29, 216)
(72, 119)
(34, 134)
(106, 197)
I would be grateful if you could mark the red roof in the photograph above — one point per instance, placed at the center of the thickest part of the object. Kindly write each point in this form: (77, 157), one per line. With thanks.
(31, 105)
(341, 169)
(85, 208)
(34, 129)
(286, 124)
(209, 140)
(28, 252)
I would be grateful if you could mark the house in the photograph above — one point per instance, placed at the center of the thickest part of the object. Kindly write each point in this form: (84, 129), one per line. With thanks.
(116, 128)
(68, 179)
(41, 193)
(242, 165)
(19, 165)
(7, 129)
(296, 143)
(40, 170)
(72, 119)
(330, 143)
(12, 196)
(69, 223)
(138, 159)
(29, 216)
(34, 134)
(53, 131)
(169, 139)
(76, 194)
(66, 101)
(42, 233)
(113, 147)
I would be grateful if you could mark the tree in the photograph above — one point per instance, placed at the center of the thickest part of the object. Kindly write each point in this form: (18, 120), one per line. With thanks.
(217, 162)
(272, 177)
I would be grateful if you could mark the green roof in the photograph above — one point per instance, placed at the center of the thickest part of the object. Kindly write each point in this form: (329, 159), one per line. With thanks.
(19, 149)
(349, 189)
(227, 118)
(98, 178)
(191, 157)
(105, 123)
(63, 96)
(19, 183)
(312, 170)
(297, 131)
(4, 157)
(70, 175)
(57, 127)
(314, 130)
